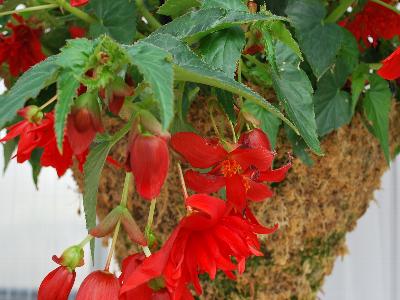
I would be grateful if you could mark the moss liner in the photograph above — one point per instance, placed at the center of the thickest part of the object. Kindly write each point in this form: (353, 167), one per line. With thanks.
(315, 206)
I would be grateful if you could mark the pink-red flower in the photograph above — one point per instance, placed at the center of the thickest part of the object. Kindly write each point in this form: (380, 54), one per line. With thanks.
(373, 22)
(240, 169)
(22, 48)
(99, 285)
(204, 242)
(79, 2)
(57, 284)
(116, 93)
(148, 159)
(84, 122)
(391, 66)
(77, 32)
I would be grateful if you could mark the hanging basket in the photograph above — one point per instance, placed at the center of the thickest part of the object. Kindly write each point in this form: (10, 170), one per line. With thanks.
(315, 207)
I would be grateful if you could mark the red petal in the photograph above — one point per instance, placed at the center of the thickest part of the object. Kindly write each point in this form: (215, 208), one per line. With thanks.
(204, 182)
(99, 285)
(255, 138)
(391, 66)
(51, 157)
(276, 175)
(80, 139)
(149, 161)
(259, 158)
(57, 284)
(210, 206)
(236, 191)
(199, 152)
(256, 226)
(79, 2)
(258, 191)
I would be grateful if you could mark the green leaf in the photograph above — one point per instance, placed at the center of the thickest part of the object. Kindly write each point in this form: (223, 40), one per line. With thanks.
(8, 150)
(176, 8)
(189, 95)
(92, 170)
(223, 49)
(269, 123)
(226, 100)
(189, 67)
(376, 105)
(358, 79)
(299, 146)
(117, 18)
(320, 42)
(349, 53)
(67, 86)
(154, 63)
(27, 86)
(34, 161)
(75, 55)
(195, 25)
(280, 32)
(294, 91)
(237, 5)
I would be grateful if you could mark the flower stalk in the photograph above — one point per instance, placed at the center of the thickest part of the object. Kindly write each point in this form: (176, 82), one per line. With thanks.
(29, 9)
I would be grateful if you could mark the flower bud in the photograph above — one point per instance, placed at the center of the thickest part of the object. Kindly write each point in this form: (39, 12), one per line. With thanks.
(132, 229)
(84, 122)
(253, 7)
(72, 257)
(32, 113)
(99, 285)
(116, 93)
(148, 159)
(108, 224)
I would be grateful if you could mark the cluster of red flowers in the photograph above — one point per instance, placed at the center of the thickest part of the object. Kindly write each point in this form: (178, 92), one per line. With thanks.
(20, 49)
(374, 22)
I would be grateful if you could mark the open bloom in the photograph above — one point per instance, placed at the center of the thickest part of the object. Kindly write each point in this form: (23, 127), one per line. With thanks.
(22, 48)
(204, 241)
(372, 23)
(239, 169)
(148, 159)
(84, 122)
(391, 66)
(99, 285)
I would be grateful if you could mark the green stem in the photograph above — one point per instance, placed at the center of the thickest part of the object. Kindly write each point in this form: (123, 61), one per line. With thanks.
(151, 216)
(182, 180)
(85, 241)
(153, 22)
(339, 11)
(124, 197)
(388, 6)
(124, 200)
(29, 9)
(76, 11)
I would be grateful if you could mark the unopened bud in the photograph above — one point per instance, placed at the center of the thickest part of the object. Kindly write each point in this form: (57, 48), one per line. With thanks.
(72, 257)
(108, 224)
(132, 229)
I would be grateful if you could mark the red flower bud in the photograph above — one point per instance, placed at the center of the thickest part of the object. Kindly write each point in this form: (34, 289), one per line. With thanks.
(99, 285)
(57, 284)
(116, 94)
(108, 224)
(148, 159)
(84, 122)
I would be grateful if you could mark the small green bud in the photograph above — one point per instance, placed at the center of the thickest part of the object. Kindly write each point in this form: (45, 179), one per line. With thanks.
(72, 257)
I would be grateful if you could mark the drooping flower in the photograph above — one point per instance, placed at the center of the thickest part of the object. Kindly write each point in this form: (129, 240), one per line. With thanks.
(51, 156)
(79, 2)
(99, 285)
(204, 242)
(116, 93)
(391, 66)
(239, 169)
(84, 122)
(148, 159)
(58, 283)
(374, 22)
(22, 48)
(33, 132)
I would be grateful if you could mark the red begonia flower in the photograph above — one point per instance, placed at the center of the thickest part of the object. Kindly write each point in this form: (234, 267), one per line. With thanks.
(374, 21)
(57, 284)
(79, 2)
(84, 122)
(99, 285)
(148, 159)
(77, 32)
(21, 49)
(116, 93)
(52, 157)
(154, 290)
(31, 134)
(391, 66)
(204, 242)
(235, 169)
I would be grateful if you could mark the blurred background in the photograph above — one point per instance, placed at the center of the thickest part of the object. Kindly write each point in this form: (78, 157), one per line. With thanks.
(36, 224)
